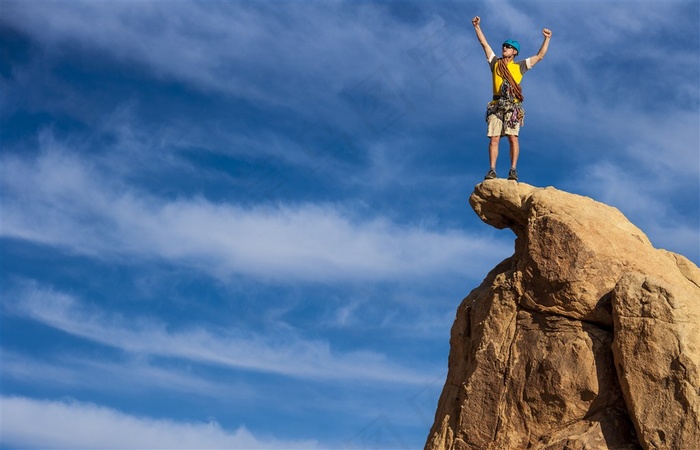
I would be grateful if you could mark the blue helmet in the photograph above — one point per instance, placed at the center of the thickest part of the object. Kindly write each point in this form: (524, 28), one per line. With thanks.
(513, 43)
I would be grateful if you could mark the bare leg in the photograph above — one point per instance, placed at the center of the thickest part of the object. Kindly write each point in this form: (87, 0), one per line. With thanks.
(493, 151)
(514, 151)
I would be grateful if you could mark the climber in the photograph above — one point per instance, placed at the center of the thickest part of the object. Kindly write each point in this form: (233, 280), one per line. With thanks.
(505, 114)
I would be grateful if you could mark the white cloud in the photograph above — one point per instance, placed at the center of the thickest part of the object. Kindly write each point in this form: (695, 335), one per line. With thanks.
(217, 46)
(102, 375)
(61, 200)
(284, 353)
(32, 423)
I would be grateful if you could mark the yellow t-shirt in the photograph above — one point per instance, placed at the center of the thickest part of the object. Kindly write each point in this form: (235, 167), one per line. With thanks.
(518, 69)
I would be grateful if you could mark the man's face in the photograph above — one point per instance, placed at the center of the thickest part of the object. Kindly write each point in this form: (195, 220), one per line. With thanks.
(509, 50)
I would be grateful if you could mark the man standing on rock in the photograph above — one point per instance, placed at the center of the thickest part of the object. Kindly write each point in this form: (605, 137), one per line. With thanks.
(505, 114)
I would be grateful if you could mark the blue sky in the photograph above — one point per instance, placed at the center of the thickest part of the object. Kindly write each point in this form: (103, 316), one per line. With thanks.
(245, 224)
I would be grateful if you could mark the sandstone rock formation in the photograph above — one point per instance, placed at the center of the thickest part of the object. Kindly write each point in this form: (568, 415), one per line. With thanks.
(586, 338)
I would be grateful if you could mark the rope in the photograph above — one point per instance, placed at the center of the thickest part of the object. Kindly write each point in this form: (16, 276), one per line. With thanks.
(514, 88)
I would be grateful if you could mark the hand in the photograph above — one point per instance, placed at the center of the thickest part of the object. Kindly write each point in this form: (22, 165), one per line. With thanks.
(547, 33)
(476, 21)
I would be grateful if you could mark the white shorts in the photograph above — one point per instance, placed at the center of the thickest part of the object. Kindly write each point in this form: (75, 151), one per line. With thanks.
(495, 127)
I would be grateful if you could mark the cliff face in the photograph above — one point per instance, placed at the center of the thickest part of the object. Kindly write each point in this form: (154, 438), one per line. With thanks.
(586, 338)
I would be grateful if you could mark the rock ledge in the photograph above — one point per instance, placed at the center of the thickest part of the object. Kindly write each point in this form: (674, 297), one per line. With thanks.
(586, 338)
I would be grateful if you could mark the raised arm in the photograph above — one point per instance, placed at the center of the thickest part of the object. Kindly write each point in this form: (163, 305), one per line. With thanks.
(547, 33)
(476, 21)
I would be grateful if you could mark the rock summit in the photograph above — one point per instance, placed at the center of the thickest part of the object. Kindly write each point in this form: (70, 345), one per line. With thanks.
(587, 337)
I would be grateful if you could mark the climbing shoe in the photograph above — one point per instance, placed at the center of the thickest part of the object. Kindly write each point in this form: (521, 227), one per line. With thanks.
(513, 175)
(490, 175)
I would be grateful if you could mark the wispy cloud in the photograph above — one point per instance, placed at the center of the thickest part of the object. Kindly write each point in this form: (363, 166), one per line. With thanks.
(61, 200)
(285, 353)
(32, 423)
(69, 371)
(217, 46)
